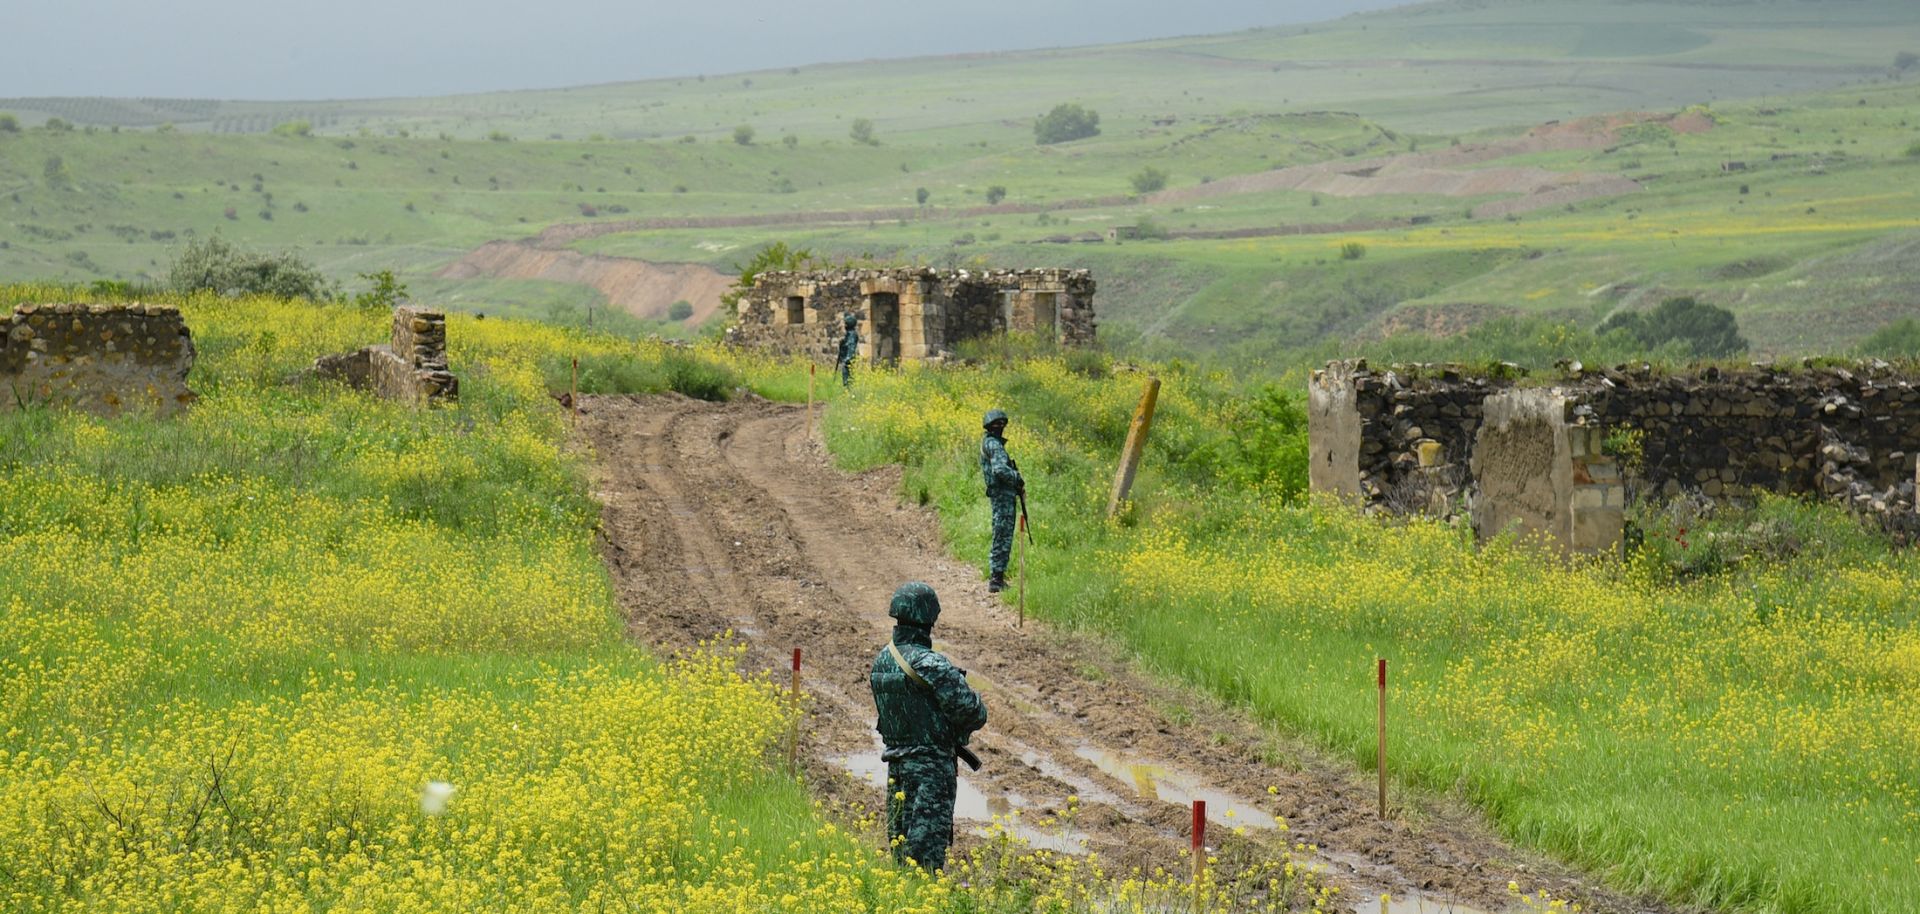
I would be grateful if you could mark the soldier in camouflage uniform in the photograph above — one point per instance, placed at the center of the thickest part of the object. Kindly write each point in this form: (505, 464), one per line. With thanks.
(1004, 490)
(849, 350)
(927, 715)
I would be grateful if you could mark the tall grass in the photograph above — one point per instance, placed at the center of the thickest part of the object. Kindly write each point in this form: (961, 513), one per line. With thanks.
(1732, 719)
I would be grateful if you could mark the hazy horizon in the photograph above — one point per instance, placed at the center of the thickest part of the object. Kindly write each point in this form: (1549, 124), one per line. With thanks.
(231, 49)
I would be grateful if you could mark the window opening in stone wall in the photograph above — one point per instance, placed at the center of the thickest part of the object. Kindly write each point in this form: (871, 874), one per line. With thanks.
(796, 309)
(1045, 318)
(883, 315)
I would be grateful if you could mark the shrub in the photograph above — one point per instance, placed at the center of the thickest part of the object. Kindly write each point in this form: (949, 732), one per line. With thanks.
(56, 172)
(921, 195)
(862, 132)
(384, 294)
(1898, 340)
(217, 266)
(775, 256)
(680, 310)
(790, 141)
(1148, 180)
(56, 125)
(294, 128)
(995, 194)
(743, 135)
(698, 378)
(500, 136)
(1353, 250)
(1066, 122)
(1913, 152)
(1704, 330)
(1148, 227)
(9, 123)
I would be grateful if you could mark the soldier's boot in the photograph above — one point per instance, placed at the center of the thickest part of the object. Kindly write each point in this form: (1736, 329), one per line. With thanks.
(997, 583)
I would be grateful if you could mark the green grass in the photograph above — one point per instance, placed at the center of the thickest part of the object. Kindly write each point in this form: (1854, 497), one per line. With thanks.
(1737, 735)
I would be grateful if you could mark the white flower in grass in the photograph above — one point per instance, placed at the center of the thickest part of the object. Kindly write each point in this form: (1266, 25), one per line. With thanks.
(433, 799)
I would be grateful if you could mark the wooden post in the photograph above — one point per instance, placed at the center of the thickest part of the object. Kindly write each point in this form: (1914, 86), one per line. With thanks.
(810, 370)
(1136, 445)
(1380, 760)
(793, 738)
(1199, 848)
(1023, 572)
(573, 395)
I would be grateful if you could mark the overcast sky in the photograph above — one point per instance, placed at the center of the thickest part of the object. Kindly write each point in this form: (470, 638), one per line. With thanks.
(274, 49)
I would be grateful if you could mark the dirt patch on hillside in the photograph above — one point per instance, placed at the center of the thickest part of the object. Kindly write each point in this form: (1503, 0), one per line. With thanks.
(638, 287)
(725, 517)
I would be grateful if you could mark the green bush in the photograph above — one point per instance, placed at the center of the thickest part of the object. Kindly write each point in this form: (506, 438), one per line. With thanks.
(680, 310)
(1898, 340)
(215, 265)
(743, 135)
(294, 128)
(995, 194)
(1067, 121)
(1353, 250)
(1913, 151)
(698, 378)
(9, 123)
(920, 195)
(1704, 330)
(1149, 179)
(385, 293)
(862, 132)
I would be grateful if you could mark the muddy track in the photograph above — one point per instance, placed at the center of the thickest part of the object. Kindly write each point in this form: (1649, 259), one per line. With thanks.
(725, 517)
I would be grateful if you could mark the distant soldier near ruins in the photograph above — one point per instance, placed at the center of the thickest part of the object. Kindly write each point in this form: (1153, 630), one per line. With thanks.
(1005, 490)
(849, 350)
(927, 714)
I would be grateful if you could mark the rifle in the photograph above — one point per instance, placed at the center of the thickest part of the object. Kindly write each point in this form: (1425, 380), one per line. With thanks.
(1023, 516)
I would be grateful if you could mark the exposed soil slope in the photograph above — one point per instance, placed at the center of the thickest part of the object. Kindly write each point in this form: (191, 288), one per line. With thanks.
(725, 516)
(639, 287)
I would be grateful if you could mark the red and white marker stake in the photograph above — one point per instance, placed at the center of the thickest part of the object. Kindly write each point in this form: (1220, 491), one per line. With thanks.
(1380, 760)
(1199, 844)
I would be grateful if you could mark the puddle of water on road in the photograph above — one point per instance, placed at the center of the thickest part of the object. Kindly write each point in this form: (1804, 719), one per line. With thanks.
(1159, 782)
(1414, 903)
(971, 804)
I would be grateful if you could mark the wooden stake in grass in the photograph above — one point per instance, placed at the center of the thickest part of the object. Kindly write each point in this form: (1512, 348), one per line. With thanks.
(1136, 445)
(793, 737)
(1199, 845)
(1023, 572)
(1380, 760)
(573, 395)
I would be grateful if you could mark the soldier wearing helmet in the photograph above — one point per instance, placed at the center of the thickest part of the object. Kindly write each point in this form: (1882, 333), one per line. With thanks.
(849, 349)
(927, 713)
(1004, 490)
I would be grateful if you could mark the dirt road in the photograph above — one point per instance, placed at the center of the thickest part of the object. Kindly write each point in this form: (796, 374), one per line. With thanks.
(724, 516)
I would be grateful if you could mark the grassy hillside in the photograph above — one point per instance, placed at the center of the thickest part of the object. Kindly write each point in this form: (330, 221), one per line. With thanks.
(654, 171)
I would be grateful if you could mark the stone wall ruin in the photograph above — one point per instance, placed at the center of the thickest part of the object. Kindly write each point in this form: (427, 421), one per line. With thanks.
(1530, 454)
(912, 314)
(101, 359)
(411, 369)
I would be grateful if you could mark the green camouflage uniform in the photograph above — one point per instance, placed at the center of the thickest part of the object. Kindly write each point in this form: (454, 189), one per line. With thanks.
(849, 350)
(1004, 487)
(921, 727)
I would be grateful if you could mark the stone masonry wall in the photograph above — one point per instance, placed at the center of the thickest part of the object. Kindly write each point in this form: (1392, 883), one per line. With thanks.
(411, 369)
(101, 359)
(911, 313)
(1849, 433)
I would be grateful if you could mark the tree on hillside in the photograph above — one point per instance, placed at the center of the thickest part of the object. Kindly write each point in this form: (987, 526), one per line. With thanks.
(996, 193)
(56, 125)
(680, 310)
(1706, 331)
(214, 265)
(775, 256)
(9, 123)
(920, 195)
(862, 132)
(56, 172)
(1067, 121)
(1148, 180)
(743, 135)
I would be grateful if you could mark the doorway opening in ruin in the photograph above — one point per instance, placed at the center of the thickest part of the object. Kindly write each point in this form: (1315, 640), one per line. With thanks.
(1006, 309)
(1045, 315)
(796, 309)
(883, 315)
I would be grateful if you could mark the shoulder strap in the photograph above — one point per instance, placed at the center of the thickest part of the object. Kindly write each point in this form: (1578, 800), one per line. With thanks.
(913, 675)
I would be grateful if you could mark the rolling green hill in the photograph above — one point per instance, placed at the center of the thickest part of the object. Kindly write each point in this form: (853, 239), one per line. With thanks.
(1501, 201)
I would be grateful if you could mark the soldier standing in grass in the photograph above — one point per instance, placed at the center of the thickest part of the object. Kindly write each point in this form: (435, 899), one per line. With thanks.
(849, 350)
(927, 715)
(1005, 488)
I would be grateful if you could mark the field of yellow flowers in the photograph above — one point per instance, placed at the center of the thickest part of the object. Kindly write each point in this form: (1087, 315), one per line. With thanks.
(302, 650)
(1745, 738)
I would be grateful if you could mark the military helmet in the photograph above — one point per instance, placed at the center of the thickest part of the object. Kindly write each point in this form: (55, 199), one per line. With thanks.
(993, 415)
(850, 319)
(915, 603)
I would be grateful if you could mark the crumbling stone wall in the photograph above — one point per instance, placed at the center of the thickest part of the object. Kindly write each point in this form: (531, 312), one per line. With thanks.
(101, 359)
(1849, 433)
(411, 369)
(911, 313)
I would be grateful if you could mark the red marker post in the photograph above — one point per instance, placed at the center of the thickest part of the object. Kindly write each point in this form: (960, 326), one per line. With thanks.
(1380, 760)
(793, 737)
(1199, 846)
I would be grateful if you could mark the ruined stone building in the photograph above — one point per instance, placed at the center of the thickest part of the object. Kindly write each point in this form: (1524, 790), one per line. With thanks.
(411, 367)
(100, 359)
(912, 313)
(1515, 453)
